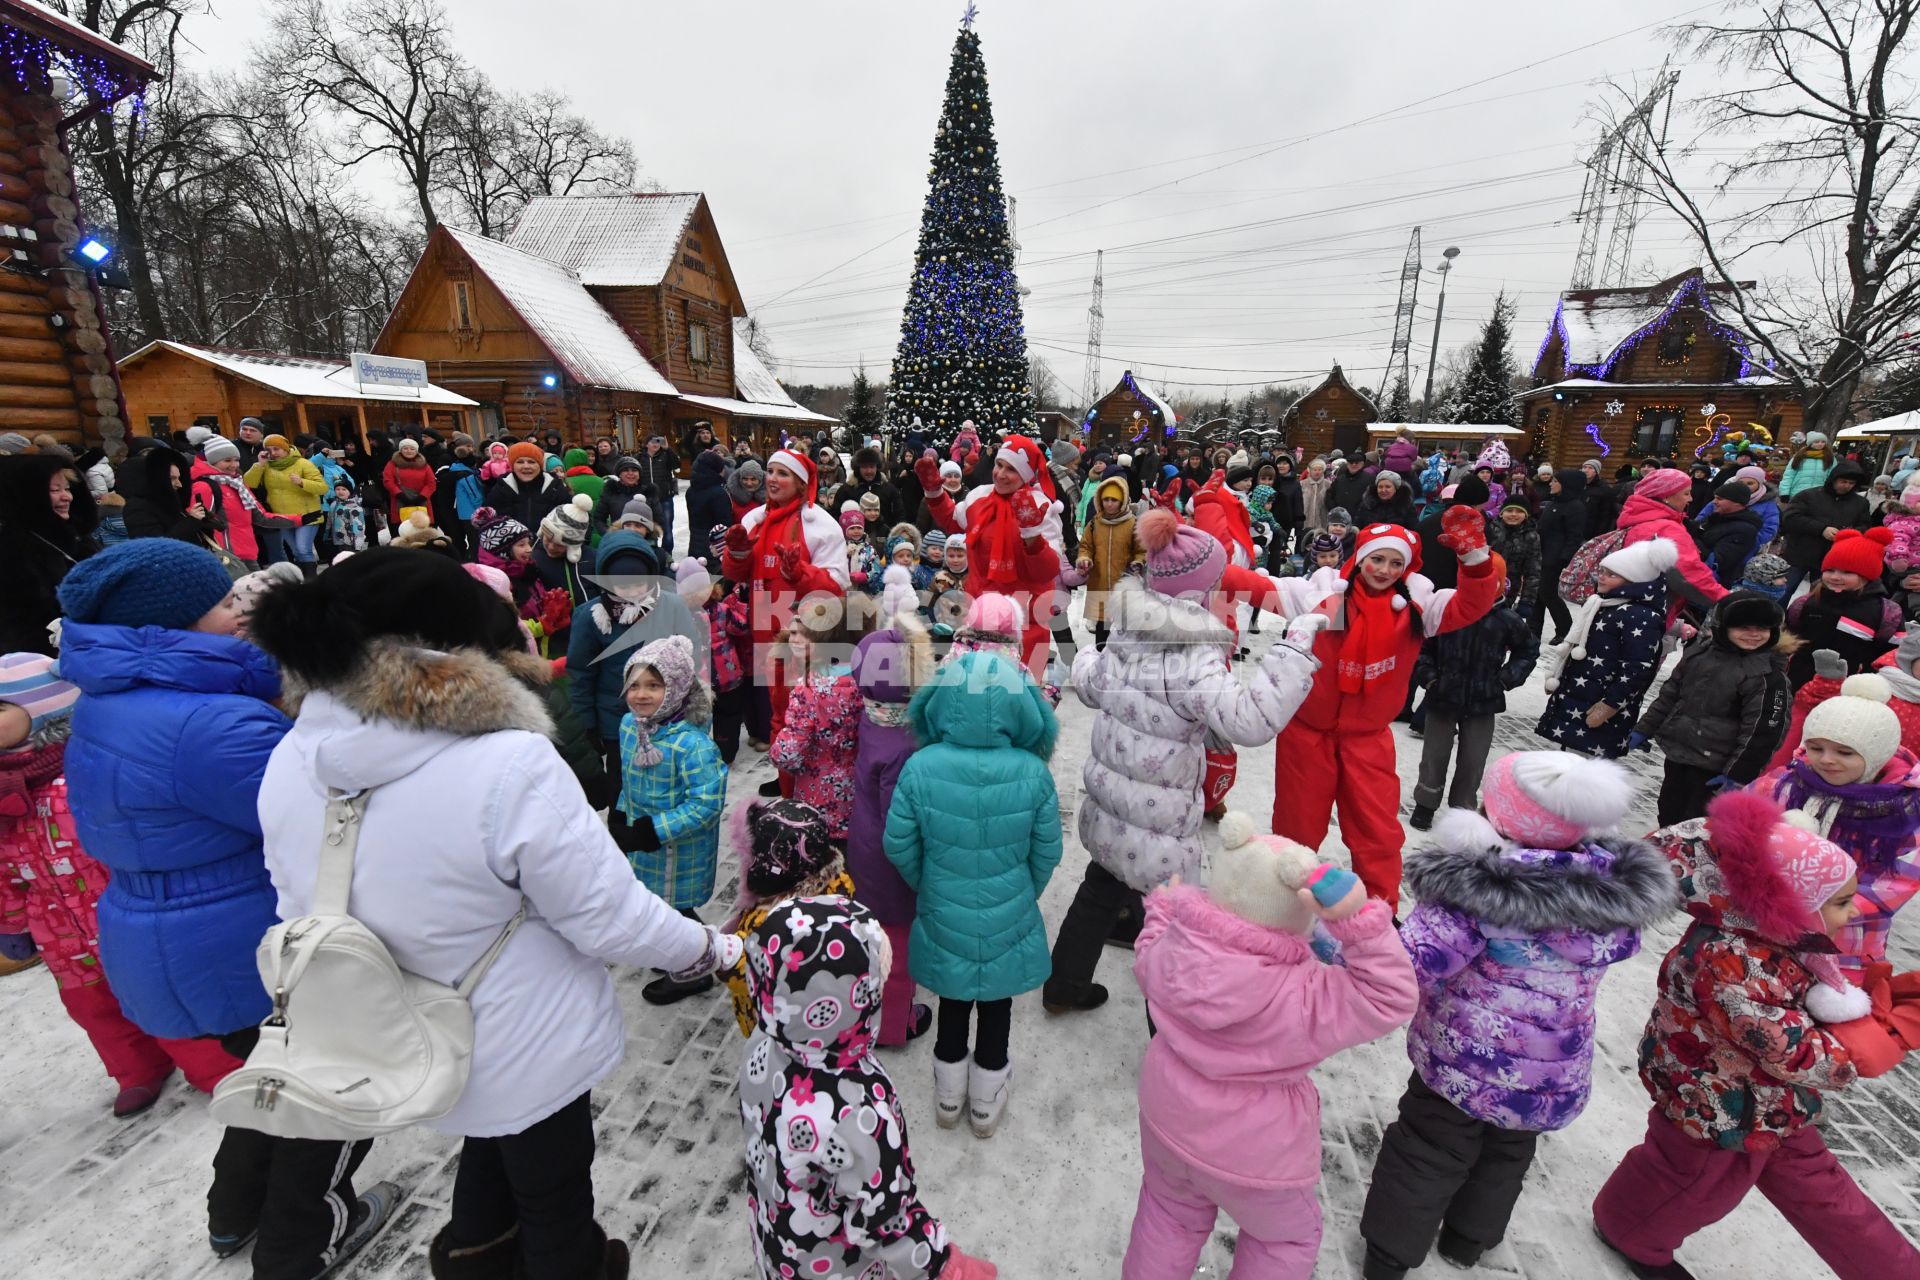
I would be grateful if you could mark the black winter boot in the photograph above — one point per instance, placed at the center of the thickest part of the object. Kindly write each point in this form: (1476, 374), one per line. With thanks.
(1457, 1249)
(1645, 1270)
(493, 1260)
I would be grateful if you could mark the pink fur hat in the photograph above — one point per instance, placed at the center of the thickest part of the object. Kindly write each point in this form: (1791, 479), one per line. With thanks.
(1554, 799)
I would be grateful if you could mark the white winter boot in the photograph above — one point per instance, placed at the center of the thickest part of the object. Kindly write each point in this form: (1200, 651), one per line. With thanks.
(950, 1090)
(987, 1098)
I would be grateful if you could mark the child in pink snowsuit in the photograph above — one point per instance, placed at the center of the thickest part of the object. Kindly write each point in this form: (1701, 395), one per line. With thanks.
(49, 889)
(1904, 551)
(1244, 1010)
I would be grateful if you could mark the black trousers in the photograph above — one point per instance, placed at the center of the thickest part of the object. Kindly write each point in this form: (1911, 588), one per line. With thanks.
(1551, 605)
(730, 711)
(541, 1180)
(1100, 633)
(1437, 1164)
(1098, 907)
(297, 1192)
(759, 712)
(1684, 793)
(956, 1024)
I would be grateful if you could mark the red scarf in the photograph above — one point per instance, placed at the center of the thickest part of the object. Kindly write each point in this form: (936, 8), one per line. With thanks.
(781, 525)
(1373, 636)
(993, 538)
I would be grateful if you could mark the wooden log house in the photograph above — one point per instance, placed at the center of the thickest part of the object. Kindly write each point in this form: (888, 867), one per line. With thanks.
(1130, 415)
(170, 386)
(1649, 372)
(1331, 416)
(56, 364)
(599, 315)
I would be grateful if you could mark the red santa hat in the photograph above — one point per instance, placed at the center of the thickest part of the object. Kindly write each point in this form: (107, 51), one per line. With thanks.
(1025, 457)
(801, 465)
(1384, 537)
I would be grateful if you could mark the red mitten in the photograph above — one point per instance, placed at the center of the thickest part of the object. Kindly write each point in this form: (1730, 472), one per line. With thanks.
(859, 577)
(556, 611)
(928, 472)
(1463, 530)
(1873, 1051)
(1029, 508)
(972, 461)
(790, 561)
(739, 542)
(962, 1267)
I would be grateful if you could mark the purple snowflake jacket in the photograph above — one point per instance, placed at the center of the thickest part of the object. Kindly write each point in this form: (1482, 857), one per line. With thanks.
(1509, 944)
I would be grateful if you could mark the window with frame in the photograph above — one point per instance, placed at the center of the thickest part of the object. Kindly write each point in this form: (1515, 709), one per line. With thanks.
(697, 343)
(158, 427)
(462, 305)
(1656, 431)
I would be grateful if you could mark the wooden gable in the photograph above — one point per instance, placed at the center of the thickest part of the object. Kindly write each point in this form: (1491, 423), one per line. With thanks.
(684, 325)
(1331, 416)
(451, 311)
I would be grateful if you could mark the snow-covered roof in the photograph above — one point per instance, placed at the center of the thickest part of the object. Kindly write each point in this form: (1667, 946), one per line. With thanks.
(788, 412)
(1596, 325)
(569, 321)
(301, 377)
(1152, 397)
(752, 380)
(64, 30)
(1753, 382)
(607, 240)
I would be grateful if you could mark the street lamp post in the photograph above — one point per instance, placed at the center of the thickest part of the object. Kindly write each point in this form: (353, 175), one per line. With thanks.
(1440, 309)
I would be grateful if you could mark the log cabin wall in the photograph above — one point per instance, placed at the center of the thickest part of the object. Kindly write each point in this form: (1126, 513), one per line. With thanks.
(1114, 425)
(1563, 425)
(56, 377)
(1331, 416)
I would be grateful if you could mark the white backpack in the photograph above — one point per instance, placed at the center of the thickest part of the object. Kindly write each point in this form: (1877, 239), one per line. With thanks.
(355, 1045)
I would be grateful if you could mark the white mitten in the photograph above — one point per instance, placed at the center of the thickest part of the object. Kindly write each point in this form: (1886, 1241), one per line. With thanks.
(1830, 1004)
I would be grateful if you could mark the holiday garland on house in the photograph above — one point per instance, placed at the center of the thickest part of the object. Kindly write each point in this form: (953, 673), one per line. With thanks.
(963, 348)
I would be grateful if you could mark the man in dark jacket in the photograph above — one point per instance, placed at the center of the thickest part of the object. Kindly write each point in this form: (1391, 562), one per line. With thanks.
(1350, 485)
(1815, 515)
(452, 510)
(1728, 533)
(1603, 504)
(1437, 561)
(622, 486)
(1563, 527)
(660, 471)
(1466, 675)
(866, 479)
(707, 505)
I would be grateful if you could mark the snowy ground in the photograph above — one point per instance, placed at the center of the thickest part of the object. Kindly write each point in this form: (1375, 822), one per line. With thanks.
(1051, 1195)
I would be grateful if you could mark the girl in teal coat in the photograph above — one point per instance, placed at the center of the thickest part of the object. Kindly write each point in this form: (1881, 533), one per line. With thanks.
(974, 829)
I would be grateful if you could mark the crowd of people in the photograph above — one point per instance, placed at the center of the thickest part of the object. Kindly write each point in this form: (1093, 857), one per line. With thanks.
(212, 645)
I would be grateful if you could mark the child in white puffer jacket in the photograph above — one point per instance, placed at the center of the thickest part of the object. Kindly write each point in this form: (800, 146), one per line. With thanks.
(1165, 693)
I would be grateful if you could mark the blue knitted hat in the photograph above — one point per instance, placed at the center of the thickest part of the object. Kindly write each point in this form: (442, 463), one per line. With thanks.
(148, 582)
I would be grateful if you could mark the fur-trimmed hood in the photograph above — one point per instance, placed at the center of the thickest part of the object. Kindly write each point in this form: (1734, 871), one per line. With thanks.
(1145, 619)
(404, 704)
(1611, 882)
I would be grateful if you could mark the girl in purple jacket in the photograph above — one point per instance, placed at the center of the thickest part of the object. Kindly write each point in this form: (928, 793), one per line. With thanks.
(1521, 912)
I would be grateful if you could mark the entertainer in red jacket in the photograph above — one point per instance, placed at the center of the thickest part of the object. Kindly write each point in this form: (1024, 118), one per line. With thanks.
(1338, 749)
(1012, 530)
(788, 548)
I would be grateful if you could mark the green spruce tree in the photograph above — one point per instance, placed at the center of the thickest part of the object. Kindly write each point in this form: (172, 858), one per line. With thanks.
(862, 413)
(963, 346)
(1485, 393)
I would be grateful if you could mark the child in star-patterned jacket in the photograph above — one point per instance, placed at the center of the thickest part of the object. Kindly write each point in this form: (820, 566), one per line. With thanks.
(831, 1186)
(1598, 672)
(1521, 913)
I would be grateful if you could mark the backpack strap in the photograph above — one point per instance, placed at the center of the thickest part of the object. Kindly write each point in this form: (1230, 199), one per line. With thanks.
(340, 837)
(485, 962)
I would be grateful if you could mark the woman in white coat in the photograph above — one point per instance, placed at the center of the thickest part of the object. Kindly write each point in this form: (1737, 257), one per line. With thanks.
(404, 669)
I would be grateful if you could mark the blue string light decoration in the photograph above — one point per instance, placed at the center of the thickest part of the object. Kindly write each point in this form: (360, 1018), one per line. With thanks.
(32, 60)
(963, 342)
(1692, 292)
(1593, 433)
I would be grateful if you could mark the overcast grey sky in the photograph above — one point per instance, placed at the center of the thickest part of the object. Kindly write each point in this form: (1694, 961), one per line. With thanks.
(1137, 126)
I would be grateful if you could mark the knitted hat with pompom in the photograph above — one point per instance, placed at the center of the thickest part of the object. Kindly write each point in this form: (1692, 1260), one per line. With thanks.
(569, 523)
(1554, 799)
(1259, 877)
(1860, 720)
(1857, 552)
(1182, 561)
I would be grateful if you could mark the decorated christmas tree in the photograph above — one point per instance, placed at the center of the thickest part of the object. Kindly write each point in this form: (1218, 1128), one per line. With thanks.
(963, 350)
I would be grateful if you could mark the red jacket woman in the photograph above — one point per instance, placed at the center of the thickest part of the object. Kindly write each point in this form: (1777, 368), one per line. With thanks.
(1338, 749)
(408, 472)
(1013, 535)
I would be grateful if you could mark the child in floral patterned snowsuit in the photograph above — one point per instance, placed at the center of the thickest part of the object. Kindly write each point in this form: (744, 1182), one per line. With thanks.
(49, 889)
(819, 742)
(1521, 913)
(830, 1183)
(1753, 1023)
